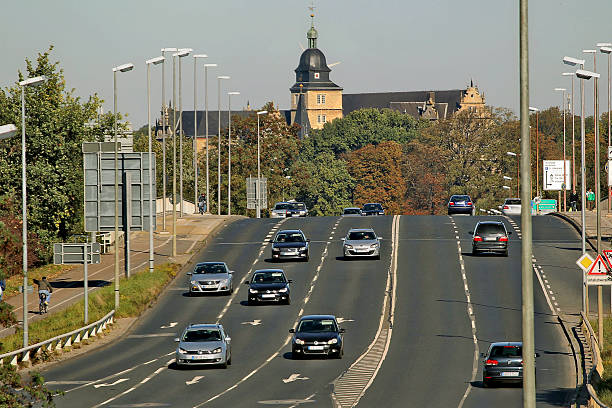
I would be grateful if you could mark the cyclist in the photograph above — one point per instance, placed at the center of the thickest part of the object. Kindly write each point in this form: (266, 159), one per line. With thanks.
(44, 287)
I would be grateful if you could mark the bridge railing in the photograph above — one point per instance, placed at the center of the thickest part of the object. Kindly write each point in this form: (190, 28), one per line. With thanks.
(594, 375)
(57, 343)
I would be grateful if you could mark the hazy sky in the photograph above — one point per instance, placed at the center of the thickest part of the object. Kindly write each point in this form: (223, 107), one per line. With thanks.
(391, 45)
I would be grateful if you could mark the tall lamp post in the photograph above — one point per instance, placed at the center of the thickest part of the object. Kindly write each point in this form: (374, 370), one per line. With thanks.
(258, 189)
(183, 52)
(606, 49)
(219, 79)
(164, 125)
(518, 174)
(153, 61)
(229, 151)
(195, 132)
(206, 66)
(537, 112)
(571, 75)
(563, 186)
(120, 68)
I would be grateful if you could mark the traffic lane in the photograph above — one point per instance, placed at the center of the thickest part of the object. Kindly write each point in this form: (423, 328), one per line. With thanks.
(172, 306)
(495, 287)
(429, 361)
(251, 344)
(353, 291)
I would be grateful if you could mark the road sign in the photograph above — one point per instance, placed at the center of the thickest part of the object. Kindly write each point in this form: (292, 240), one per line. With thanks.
(609, 152)
(553, 175)
(607, 254)
(599, 267)
(251, 192)
(75, 253)
(585, 262)
(547, 206)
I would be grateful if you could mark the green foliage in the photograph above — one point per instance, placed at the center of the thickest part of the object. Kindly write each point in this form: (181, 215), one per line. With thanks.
(17, 393)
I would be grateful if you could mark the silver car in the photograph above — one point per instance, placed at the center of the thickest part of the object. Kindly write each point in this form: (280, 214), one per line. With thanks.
(211, 277)
(279, 210)
(205, 344)
(511, 206)
(352, 212)
(361, 242)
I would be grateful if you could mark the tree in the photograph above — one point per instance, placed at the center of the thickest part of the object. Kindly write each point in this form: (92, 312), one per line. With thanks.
(424, 171)
(18, 393)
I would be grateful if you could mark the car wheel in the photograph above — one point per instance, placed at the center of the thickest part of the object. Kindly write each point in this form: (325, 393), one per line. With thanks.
(474, 251)
(377, 257)
(486, 383)
(250, 302)
(505, 253)
(288, 301)
(340, 354)
(224, 365)
(295, 356)
(229, 360)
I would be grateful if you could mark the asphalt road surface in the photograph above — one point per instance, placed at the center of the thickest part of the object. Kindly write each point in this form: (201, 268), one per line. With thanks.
(429, 360)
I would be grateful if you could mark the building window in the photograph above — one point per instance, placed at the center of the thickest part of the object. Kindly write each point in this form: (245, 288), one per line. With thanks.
(321, 118)
(320, 99)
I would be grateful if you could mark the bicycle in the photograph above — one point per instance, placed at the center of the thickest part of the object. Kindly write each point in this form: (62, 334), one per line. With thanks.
(42, 306)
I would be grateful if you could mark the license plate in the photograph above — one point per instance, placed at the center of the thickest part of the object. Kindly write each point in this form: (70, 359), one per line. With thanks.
(510, 374)
(268, 295)
(316, 347)
(209, 286)
(198, 357)
(295, 215)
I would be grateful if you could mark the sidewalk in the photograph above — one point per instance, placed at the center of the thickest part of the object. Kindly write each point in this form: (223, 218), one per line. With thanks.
(68, 287)
(575, 218)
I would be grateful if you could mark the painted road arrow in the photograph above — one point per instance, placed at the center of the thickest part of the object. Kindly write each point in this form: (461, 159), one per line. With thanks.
(171, 325)
(255, 322)
(294, 377)
(195, 380)
(110, 385)
(343, 320)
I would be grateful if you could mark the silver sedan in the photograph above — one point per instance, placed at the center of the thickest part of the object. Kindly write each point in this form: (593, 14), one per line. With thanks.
(361, 242)
(211, 277)
(204, 344)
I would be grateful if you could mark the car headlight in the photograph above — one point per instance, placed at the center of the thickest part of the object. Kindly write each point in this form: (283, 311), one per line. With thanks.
(374, 246)
(348, 246)
(303, 249)
(299, 341)
(182, 350)
(252, 290)
(275, 249)
(333, 341)
(193, 282)
(283, 290)
(217, 350)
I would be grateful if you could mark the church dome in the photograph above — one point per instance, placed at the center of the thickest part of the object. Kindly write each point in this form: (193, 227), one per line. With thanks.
(312, 59)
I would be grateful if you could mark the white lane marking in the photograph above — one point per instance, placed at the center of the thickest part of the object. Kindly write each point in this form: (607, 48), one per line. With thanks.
(194, 380)
(169, 326)
(119, 381)
(343, 320)
(255, 322)
(73, 382)
(146, 336)
(295, 377)
(159, 370)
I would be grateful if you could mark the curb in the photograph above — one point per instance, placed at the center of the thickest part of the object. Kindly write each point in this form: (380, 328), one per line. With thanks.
(576, 226)
(578, 372)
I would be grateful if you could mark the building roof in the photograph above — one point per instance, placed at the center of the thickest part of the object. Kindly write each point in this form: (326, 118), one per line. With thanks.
(447, 102)
(213, 121)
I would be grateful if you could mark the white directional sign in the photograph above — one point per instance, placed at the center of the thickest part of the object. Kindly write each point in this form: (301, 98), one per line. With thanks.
(553, 175)
(294, 377)
(585, 262)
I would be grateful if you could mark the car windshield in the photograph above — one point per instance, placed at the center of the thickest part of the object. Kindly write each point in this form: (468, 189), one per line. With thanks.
(351, 211)
(506, 351)
(269, 277)
(202, 335)
(515, 201)
(370, 207)
(210, 268)
(361, 235)
(289, 237)
(297, 206)
(317, 325)
(281, 206)
(490, 229)
(460, 198)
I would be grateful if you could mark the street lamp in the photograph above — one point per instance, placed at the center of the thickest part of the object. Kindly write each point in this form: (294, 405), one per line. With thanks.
(605, 48)
(7, 131)
(518, 175)
(506, 187)
(206, 66)
(229, 151)
(507, 178)
(195, 132)
(537, 112)
(153, 61)
(182, 52)
(219, 78)
(571, 75)
(258, 189)
(120, 68)
(563, 186)
(164, 124)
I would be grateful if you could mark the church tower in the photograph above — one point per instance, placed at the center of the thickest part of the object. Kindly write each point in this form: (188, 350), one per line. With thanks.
(315, 100)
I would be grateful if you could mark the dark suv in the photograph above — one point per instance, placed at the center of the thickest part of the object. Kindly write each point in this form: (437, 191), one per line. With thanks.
(460, 204)
(503, 363)
(490, 236)
(373, 209)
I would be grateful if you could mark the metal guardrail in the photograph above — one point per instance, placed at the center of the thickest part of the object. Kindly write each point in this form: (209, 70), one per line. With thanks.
(58, 342)
(597, 364)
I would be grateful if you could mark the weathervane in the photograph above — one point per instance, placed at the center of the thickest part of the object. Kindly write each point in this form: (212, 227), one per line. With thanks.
(311, 8)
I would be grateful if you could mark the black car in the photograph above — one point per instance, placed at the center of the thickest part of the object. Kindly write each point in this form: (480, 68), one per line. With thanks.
(373, 209)
(317, 335)
(296, 209)
(490, 236)
(503, 363)
(460, 204)
(269, 285)
(290, 244)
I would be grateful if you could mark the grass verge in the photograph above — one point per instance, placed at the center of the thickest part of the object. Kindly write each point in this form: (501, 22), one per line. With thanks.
(604, 388)
(137, 293)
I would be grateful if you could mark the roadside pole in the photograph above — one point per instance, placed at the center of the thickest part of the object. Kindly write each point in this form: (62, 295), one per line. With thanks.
(529, 393)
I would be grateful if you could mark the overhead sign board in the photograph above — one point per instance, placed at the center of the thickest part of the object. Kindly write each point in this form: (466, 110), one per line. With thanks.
(251, 192)
(553, 175)
(585, 262)
(76, 253)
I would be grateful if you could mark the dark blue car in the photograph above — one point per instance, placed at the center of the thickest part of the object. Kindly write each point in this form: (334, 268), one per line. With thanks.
(460, 204)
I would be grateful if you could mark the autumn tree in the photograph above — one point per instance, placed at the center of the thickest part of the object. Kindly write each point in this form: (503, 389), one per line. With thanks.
(424, 171)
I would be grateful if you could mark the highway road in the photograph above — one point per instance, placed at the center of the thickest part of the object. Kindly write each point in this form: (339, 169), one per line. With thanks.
(444, 314)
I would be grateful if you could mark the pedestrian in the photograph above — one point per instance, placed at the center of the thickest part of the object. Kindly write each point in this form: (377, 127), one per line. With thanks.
(573, 200)
(590, 196)
(2, 287)
(202, 203)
